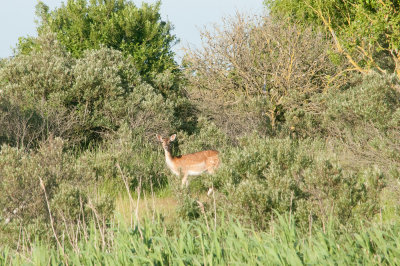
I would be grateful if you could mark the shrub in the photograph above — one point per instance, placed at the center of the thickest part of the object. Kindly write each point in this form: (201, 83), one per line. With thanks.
(47, 92)
(368, 102)
(149, 111)
(117, 24)
(375, 100)
(21, 196)
(262, 176)
(268, 57)
(367, 33)
(34, 89)
(69, 203)
(73, 207)
(188, 208)
(103, 80)
(26, 203)
(207, 137)
(20, 179)
(235, 117)
(140, 161)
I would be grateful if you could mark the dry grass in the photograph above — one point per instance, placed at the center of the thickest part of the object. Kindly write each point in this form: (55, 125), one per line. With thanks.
(164, 204)
(149, 207)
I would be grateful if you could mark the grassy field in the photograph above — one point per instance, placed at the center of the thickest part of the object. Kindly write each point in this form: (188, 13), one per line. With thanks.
(147, 230)
(200, 243)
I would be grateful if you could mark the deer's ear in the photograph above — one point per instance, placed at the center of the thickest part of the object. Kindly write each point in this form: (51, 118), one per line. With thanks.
(172, 138)
(159, 137)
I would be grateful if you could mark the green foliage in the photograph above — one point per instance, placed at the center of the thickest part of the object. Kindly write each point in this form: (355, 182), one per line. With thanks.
(118, 24)
(69, 202)
(229, 243)
(298, 137)
(367, 32)
(49, 92)
(141, 163)
(207, 137)
(26, 203)
(78, 188)
(371, 101)
(262, 176)
(103, 79)
(375, 100)
(33, 91)
(189, 208)
(303, 13)
(21, 193)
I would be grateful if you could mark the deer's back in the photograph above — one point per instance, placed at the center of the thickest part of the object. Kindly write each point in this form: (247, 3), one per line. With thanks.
(199, 160)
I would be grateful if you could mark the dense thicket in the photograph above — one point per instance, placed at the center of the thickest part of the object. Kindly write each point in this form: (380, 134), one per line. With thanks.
(367, 33)
(69, 114)
(269, 66)
(304, 129)
(325, 139)
(48, 92)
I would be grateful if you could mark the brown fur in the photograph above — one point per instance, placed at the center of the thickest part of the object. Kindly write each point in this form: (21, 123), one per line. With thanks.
(189, 164)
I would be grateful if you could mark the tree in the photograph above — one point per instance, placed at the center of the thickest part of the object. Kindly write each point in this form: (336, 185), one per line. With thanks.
(139, 32)
(367, 32)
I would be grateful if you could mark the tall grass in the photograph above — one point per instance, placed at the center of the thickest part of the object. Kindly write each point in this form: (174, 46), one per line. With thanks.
(194, 243)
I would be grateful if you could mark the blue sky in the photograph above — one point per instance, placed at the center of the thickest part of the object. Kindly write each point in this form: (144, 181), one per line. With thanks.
(188, 16)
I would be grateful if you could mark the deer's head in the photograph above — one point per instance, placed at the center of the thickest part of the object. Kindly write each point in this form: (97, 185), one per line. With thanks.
(166, 141)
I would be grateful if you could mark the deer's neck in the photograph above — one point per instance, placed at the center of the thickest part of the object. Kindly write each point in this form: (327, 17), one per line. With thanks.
(168, 155)
(170, 162)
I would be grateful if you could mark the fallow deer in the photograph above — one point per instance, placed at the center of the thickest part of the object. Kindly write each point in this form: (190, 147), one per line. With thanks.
(189, 164)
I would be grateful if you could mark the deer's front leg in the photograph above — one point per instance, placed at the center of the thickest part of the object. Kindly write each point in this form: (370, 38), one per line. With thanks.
(185, 180)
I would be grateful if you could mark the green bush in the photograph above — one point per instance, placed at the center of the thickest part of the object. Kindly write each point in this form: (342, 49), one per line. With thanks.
(22, 198)
(368, 101)
(25, 202)
(188, 208)
(262, 176)
(34, 88)
(20, 179)
(103, 80)
(366, 32)
(236, 116)
(117, 24)
(47, 92)
(141, 162)
(375, 101)
(149, 111)
(72, 206)
(70, 203)
(207, 137)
